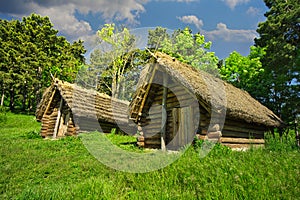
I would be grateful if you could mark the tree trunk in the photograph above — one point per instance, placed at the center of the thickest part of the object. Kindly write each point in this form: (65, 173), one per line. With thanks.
(114, 91)
(2, 97)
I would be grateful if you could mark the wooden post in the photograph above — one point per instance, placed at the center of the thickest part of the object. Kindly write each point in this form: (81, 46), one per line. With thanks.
(58, 118)
(164, 112)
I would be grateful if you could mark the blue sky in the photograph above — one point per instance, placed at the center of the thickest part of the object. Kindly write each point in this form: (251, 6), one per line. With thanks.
(229, 24)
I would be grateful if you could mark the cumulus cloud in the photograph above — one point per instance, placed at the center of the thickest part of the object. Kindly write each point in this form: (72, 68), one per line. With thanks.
(253, 11)
(233, 3)
(67, 24)
(62, 12)
(191, 19)
(221, 31)
(230, 35)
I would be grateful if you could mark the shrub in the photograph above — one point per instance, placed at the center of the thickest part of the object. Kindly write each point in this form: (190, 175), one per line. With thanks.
(33, 135)
(286, 142)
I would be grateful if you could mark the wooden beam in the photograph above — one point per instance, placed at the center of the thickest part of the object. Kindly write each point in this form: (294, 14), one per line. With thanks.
(243, 146)
(49, 103)
(58, 119)
(164, 112)
(242, 140)
(147, 91)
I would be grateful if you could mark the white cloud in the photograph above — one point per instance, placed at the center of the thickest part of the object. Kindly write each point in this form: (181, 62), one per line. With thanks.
(191, 19)
(230, 35)
(62, 13)
(233, 3)
(253, 11)
(67, 24)
(221, 32)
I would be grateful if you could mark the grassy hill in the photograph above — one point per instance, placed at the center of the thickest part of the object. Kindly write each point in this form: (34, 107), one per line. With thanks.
(35, 168)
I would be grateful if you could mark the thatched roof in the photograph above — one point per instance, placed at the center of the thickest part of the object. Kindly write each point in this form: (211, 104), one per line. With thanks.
(86, 103)
(239, 104)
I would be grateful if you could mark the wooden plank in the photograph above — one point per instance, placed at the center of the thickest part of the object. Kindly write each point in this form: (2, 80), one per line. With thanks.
(58, 119)
(232, 122)
(50, 101)
(242, 140)
(164, 112)
(242, 129)
(175, 125)
(243, 146)
(226, 133)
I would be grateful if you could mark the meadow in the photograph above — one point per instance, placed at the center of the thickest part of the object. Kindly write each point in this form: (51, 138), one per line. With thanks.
(35, 168)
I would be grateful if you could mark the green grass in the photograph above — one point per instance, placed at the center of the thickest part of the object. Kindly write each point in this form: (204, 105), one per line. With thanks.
(34, 168)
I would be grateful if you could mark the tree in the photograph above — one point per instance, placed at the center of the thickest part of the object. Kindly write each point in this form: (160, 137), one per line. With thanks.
(244, 71)
(116, 62)
(31, 51)
(280, 36)
(185, 46)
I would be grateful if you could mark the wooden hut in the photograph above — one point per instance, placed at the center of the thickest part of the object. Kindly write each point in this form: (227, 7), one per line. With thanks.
(67, 109)
(174, 103)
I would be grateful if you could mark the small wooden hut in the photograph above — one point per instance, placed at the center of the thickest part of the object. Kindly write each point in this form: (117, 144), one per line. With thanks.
(174, 103)
(67, 109)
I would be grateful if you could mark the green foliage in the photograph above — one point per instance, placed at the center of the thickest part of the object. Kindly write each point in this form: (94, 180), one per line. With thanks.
(64, 169)
(185, 46)
(280, 36)
(281, 143)
(116, 63)
(31, 52)
(244, 71)
(3, 117)
(34, 134)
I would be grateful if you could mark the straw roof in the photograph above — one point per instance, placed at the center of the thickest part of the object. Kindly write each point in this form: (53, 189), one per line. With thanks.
(86, 103)
(217, 93)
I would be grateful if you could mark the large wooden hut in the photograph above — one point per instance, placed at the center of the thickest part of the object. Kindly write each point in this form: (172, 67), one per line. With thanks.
(67, 109)
(174, 103)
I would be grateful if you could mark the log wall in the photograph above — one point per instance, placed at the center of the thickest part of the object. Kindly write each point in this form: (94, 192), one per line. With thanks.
(151, 119)
(233, 133)
(66, 125)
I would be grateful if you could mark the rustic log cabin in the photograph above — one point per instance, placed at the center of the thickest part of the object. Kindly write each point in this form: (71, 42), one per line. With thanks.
(68, 109)
(174, 103)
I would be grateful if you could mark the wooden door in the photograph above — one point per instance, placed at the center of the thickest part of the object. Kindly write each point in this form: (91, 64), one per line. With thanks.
(183, 129)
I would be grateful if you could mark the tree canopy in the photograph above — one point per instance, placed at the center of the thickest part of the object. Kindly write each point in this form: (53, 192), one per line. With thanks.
(279, 35)
(185, 46)
(244, 72)
(31, 52)
(116, 61)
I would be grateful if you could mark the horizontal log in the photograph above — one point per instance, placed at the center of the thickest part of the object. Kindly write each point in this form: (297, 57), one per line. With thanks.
(201, 137)
(141, 144)
(242, 129)
(243, 146)
(141, 139)
(212, 139)
(148, 136)
(152, 142)
(216, 134)
(238, 123)
(226, 133)
(242, 140)
(214, 128)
